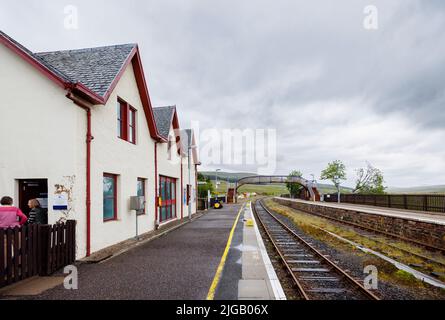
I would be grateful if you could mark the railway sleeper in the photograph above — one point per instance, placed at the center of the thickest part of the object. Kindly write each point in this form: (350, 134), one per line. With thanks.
(310, 270)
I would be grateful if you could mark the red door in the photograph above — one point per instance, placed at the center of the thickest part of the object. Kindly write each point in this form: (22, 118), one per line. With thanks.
(167, 187)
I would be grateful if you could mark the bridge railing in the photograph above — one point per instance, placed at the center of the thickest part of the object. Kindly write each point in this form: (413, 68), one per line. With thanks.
(308, 185)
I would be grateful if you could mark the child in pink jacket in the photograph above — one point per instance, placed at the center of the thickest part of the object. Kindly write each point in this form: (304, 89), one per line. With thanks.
(10, 216)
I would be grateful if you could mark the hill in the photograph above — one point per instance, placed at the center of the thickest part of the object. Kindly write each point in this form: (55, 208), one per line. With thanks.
(226, 176)
(420, 189)
(264, 189)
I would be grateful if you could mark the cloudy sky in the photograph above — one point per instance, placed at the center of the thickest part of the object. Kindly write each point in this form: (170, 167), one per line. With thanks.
(331, 88)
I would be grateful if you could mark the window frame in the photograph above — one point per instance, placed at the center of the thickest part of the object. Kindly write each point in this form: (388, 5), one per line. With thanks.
(115, 211)
(144, 190)
(131, 125)
(127, 113)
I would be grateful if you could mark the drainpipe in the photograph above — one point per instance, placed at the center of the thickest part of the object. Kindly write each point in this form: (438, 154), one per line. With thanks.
(182, 191)
(89, 137)
(189, 183)
(156, 185)
(196, 188)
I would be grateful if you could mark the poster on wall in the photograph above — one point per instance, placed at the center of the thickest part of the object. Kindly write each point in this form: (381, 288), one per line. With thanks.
(60, 201)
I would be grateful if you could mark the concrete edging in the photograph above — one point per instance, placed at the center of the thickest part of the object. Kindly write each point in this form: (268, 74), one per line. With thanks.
(273, 278)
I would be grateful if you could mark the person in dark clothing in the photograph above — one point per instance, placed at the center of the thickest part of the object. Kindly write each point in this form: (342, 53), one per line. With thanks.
(37, 214)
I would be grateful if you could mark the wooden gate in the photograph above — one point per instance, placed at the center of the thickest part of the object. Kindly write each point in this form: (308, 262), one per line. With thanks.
(35, 250)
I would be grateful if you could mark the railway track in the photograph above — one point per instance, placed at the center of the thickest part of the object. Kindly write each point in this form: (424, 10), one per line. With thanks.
(369, 229)
(315, 277)
(373, 234)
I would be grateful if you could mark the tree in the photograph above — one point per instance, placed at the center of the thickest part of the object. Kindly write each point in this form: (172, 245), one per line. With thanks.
(203, 188)
(369, 180)
(294, 188)
(335, 172)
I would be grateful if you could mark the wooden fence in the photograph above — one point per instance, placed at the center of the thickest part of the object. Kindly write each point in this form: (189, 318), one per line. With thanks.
(35, 250)
(422, 202)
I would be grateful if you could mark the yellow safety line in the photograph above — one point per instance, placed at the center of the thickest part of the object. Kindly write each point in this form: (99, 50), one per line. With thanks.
(212, 290)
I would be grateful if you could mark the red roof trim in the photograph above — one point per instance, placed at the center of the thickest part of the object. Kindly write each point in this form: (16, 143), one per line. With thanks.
(144, 95)
(121, 72)
(133, 57)
(35, 63)
(93, 97)
(175, 122)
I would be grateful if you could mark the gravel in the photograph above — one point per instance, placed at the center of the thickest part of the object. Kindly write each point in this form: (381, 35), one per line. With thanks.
(354, 261)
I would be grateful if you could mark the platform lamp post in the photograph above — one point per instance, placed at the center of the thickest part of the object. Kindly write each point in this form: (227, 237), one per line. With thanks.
(190, 147)
(313, 185)
(216, 178)
(337, 185)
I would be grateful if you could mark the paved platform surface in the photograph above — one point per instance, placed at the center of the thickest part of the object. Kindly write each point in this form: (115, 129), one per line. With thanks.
(179, 265)
(248, 273)
(429, 217)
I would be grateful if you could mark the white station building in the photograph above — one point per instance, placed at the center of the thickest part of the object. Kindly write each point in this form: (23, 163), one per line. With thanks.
(79, 133)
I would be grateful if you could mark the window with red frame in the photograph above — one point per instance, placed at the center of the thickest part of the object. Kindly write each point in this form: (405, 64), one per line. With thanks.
(126, 121)
(141, 192)
(109, 197)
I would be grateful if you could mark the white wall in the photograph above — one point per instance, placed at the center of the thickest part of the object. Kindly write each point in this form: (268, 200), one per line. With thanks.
(191, 181)
(42, 135)
(111, 154)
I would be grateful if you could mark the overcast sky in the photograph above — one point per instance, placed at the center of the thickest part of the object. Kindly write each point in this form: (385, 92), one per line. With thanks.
(309, 69)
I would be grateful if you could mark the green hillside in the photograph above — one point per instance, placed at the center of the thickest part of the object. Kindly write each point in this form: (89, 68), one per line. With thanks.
(421, 189)
(275, 189)
(227, 176)
(226, 179)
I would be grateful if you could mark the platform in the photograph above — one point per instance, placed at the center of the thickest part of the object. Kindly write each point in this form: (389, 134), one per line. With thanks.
(180, 264)
(248, 272)
(423, 228)
(421, 216)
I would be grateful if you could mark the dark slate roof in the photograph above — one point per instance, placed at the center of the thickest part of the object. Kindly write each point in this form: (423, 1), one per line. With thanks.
(96, 68)
(163, 118)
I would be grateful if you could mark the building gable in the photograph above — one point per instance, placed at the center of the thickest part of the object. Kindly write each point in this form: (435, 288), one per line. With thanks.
(72, 71)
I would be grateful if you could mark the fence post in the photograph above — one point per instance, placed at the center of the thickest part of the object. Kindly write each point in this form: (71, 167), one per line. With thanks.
(2, 257)
(43, 249)
(71, 233)
(389, 201)
(405, 201)
(425, 203)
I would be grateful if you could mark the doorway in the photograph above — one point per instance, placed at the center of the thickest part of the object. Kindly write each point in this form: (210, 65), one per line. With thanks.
(168, 197)
(32, 189)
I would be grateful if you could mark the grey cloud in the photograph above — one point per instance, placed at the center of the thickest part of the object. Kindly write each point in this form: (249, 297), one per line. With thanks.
(265, 64)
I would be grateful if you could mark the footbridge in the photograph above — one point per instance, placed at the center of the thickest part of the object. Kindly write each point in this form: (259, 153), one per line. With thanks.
(309, 186)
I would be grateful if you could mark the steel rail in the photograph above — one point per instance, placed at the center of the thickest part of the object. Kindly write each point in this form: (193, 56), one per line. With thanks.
(283, 259)
(336, 268)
